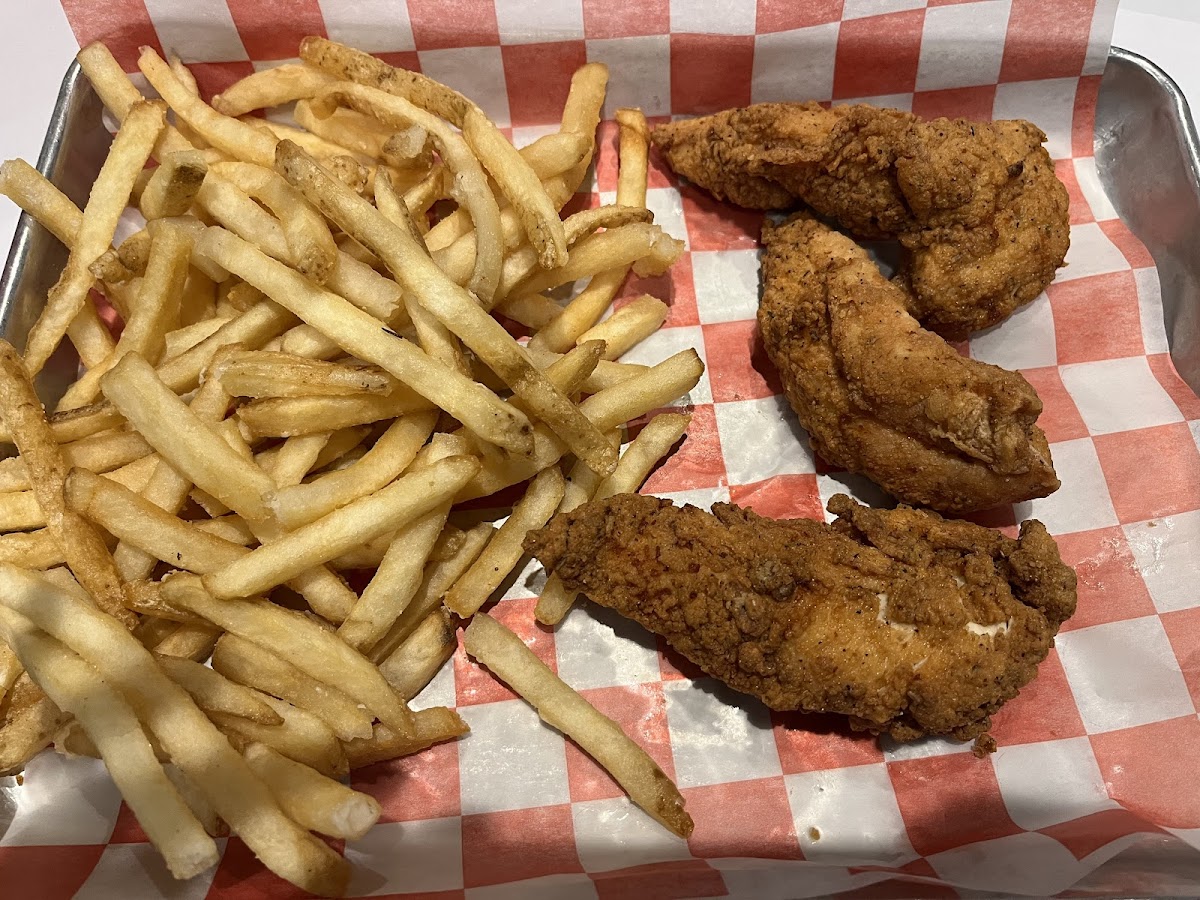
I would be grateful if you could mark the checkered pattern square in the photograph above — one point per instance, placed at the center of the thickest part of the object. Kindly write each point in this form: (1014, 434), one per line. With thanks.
(1090, 751)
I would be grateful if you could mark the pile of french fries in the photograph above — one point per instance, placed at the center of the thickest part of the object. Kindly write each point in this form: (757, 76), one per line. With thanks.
(312, 372)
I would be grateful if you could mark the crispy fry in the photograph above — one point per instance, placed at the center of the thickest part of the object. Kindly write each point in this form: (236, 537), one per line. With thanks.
(32, 550)
(270, 87)
(629, 325)
(600, 737)
(430, 726)
(287, 416)
(584, 311)
(300, 736)
(413, 664)
(311, 799)
(359, 133)
(647, 248)
(213, 692)
(633, 149)
(581, 114)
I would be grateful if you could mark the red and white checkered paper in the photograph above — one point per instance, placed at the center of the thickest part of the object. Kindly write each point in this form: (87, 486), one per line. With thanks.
(1101, 749)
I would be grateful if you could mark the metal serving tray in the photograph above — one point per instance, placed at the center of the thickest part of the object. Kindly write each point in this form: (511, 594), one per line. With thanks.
(1148, 159)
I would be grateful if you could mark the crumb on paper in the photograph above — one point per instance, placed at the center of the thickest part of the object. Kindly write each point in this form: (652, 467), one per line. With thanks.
(814, 833)
(20, 779)
(984, 744)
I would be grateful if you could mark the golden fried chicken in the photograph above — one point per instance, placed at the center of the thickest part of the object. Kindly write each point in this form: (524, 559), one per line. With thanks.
(977, 206)
(905, 622)
(880, 395)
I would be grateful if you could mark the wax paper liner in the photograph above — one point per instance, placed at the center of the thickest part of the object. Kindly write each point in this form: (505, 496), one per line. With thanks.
(1100, 751)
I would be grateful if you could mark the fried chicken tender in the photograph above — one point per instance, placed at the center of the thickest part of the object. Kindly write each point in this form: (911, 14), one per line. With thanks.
(908, 623)
(880, 395)
(977, 206)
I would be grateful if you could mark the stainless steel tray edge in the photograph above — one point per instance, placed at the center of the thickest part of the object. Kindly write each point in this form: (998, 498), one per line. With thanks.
(1148, 160)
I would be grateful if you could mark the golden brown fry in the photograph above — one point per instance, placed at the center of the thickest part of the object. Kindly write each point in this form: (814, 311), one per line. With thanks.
(270, 87)
(584, 311)
(581, 113)
(32, 550)
(230, 136)
(311, 799)
(430, 726)
(299, 736)
(362, 68)
(359, 133)
(249, 664)
(600, 737)
(633, 149)
(647, 248)
(213, 692)
(629, 325)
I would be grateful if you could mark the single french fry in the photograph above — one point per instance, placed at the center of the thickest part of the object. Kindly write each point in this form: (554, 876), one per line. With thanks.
(19, 511)
(249, 664)
(296, 457)
(359, 133)
(368, 339)
(647, 248)
(430, 726)
(581, 113)
(287, 416)
(194, 642)
(394, 582)
(194, 744)
(311, 799)
(77, 689)
(300, 736)
(99, 453)
(270, 87)
(412, 665)
(628, 326)
(110, 194)
(291, 635)
(230, 136)
(319, 147)
(507, 657)
(46, 468)
(450, 303)
(534, 311)
(213, 692)
(633, 149)
(32, 550)
(409, 148)
(504, 551)
(354, 65)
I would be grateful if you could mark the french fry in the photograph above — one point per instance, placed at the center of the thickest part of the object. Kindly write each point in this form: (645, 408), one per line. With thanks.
(270, 87)
(319, 147)
(412, 665)
(581, 113)
(504, 551)
(213, 692)
(46, 468)
(192, 742)
(521, 185)
(507, 657)
(73, 424)
(231, 136)
(430, 726)
(287, 416)
(172, 188)
(628, 326)
(409, 148)
(644, 452)
(361, 134)
(263, 374)
(194, 642)
(457, 311)
(33, 549)
(394, 582)
(77, 689)
(307, 646)
(647, 248)
(110, 194)
(531, 310)
(249, 664)
(353, 65)
(469, 186)
(633, 157)
(99, 453)
(401, 502)
(300, 736)
(369, 340)
(19, 511)
(295, 458)
(312, 800)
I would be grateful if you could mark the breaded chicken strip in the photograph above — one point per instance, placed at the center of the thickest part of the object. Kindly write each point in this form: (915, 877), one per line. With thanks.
(905, 622)
(880, 395)
(977, 206)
